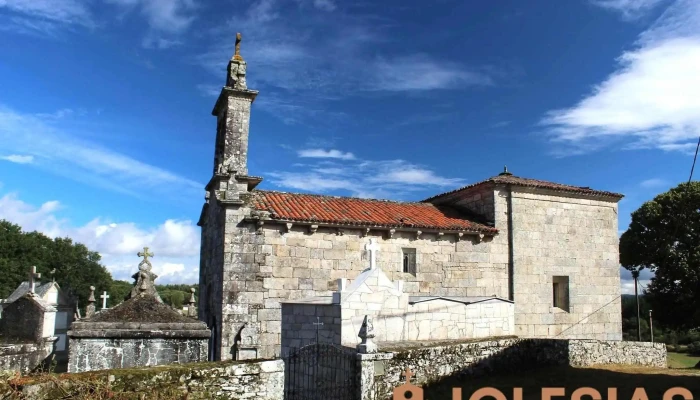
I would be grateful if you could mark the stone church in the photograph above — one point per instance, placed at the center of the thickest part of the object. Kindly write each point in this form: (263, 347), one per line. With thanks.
(551, 249)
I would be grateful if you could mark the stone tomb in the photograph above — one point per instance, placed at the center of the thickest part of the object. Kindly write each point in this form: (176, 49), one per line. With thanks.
(141, 331)
(396, 315)
(27, 337)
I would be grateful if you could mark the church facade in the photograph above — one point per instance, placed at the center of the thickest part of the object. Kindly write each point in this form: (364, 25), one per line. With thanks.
(551, 249)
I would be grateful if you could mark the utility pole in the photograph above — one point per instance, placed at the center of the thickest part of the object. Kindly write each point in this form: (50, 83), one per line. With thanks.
(651, 327)
(635, 275)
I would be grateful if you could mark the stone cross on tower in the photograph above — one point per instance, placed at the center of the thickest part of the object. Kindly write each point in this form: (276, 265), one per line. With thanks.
(372, 247)
(33, 275)
(104, 296)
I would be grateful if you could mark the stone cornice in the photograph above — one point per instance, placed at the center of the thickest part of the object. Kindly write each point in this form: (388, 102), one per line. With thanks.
(229, 91)
(252, 181)
(390, 231)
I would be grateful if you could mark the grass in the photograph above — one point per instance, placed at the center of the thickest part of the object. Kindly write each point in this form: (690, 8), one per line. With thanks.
(655, 381)
(681, 360)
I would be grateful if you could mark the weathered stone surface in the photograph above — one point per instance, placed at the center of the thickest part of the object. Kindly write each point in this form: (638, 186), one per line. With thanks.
(25, 357)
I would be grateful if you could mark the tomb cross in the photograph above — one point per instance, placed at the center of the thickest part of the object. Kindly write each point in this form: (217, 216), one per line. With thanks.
(318, 324)
(372, 247)
(104, 296)
(408, 374)
(33, 275)
(145, 254)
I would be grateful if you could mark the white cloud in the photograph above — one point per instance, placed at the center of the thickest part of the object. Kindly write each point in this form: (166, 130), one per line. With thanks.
(361, 178)
(18, 159)
(166, 19)
(630, 9)
(627, 282)
(43, 17)
(651, 101)
(653, 183)
(61, 153)
(174, 243)
(320, 153)
(304, 58)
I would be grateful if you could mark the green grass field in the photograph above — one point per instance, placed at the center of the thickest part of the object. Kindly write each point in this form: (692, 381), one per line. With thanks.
(681, 360)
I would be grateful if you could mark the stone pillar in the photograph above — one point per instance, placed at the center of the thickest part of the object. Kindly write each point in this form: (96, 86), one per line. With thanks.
(90, 309)
(369, 366)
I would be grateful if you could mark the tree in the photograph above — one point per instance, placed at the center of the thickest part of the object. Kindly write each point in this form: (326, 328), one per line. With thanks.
(664, 236)
(75, 267)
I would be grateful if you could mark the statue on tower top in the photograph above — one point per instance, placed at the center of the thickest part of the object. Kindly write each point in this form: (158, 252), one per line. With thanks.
(237, 54)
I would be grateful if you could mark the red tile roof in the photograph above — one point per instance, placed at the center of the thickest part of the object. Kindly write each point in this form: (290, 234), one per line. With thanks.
(534, 183)
(363, 212)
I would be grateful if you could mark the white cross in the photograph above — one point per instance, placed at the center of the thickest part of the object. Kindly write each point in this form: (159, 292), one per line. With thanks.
(33, 274)
(104, 296)
(372, 247)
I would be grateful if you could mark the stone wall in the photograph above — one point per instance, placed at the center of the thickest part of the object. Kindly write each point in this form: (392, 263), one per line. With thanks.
(558, 236)
(107, 345)
(25, 357)
(262, 380)
(271, 265)
(382, 372)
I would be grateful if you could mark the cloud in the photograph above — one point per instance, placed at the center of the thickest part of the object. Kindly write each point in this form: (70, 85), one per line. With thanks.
(650, 101)
(630, 9)
(174, 243)
(306, 59)
(59, 152)
(18, 159)
(43, 17)
(627, 282)
(653, 183)
(360, 178)
(320, 153)
(166, 19)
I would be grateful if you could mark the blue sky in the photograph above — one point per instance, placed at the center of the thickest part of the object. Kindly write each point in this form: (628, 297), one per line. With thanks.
(106, 133)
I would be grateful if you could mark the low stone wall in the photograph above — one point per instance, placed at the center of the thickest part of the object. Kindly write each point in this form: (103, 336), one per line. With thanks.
(260, 380)
(382, 372)
(25, 357)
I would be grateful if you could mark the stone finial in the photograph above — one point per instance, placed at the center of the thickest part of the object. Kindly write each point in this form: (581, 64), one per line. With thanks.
(366, 335)
(144, 277)
(237, 54)
(90, 309)
(191, 308)
(505, 171)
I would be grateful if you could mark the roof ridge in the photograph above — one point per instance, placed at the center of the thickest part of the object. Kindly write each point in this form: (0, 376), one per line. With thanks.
(513, 179)
(418, 203)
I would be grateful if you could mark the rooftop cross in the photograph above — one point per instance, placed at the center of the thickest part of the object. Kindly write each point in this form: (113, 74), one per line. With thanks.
(33, 275)
(372, 247)
(104, 296)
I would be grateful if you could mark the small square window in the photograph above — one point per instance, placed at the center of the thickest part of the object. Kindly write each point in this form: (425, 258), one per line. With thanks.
(409, 261)
(560, 292)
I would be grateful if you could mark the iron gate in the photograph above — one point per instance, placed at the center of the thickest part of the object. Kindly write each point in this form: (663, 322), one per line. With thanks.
(320, 371)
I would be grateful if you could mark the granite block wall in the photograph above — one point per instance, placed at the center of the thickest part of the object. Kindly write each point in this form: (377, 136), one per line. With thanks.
(25, 357)
(301, 322)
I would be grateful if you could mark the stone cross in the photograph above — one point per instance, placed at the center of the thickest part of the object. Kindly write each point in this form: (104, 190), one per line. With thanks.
(33, 275)
(367, 346)
(318, 324)
(104, 296)
(372, 247)
(145, 254)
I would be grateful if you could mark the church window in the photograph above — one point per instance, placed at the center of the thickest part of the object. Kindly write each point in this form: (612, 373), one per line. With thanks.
(409, 261)
(560, 292)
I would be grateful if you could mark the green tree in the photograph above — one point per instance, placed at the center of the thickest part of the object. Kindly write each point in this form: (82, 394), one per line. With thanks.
(664, 236)
(74, 267)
